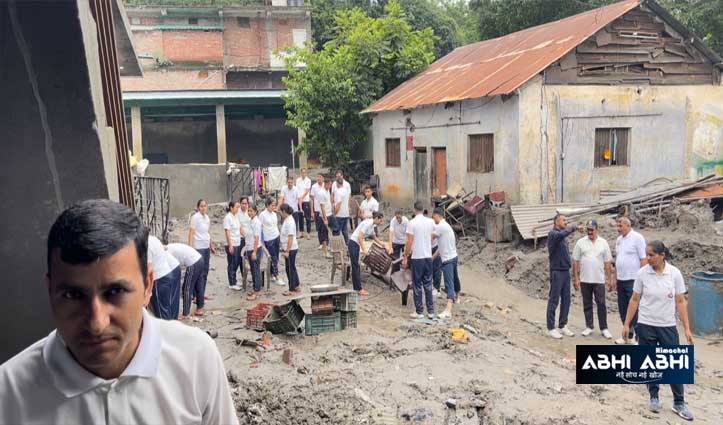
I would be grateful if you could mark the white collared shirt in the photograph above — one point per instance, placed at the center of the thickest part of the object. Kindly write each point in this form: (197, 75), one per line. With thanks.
(183, 253)
(657, 295)
(365, 229)
(288, 228)
(629, 250)
(592, 257)
(176, 376)
(399, 230)
(316, 191)
(269, 225)
(200, 225)
(341, 198)
(369, 206)
(233, 225)
(163, 262)
(291, 197)
(304, 185)
(447, 241)
(421, 228)
(245, 220)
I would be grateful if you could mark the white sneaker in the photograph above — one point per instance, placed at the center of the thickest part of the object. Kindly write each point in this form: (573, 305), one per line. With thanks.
(280, 282)
(416, 315)
(586, 332)
(446, 314)
(320, 247)
(566, 331)
(430, 316)
(606, 333)
(235, 287)
(554, 333)
(435, 292)
(621, 341)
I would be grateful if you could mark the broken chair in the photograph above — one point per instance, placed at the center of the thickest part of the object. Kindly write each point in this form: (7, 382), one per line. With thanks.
(339, 258)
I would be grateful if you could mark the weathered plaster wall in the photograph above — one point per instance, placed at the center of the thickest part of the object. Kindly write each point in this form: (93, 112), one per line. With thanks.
(676, 132)
(191, 182)
(494, 115)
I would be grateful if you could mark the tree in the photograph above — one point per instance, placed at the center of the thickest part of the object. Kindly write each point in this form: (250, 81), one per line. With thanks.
(367, 58)
(703, 17)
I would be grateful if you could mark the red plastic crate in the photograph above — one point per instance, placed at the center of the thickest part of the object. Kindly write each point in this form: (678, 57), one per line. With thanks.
(255, 316)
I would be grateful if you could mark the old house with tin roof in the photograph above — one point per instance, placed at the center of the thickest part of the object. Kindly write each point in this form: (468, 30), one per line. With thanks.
(607, 99)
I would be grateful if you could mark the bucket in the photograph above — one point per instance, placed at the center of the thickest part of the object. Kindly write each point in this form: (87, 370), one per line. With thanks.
(705, 304)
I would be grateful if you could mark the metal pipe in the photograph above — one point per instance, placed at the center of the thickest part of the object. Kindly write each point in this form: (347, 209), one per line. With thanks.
(612, 116)
(439, 126)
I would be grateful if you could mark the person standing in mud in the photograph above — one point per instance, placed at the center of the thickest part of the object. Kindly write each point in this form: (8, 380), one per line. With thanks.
(560, 264)
(419, 246)
(630, 257)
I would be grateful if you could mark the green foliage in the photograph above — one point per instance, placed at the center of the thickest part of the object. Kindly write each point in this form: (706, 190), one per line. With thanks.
(703, 17)
(367, 58)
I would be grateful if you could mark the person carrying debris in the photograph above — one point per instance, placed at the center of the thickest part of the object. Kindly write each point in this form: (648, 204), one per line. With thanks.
(109, 360)
(658, 292)
(447, 253)
(232, 231)
(271, 237)
(397, 236)
(200, 239)
(591, 271)
(560, 264)
(419, 246)
(167, 284)
(303, 185)
(630, 257)
(193, 262)
(290, 247)
(365, 229)
(320, 198)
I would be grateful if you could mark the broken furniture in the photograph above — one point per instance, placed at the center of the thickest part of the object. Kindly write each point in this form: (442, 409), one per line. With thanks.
(284, 318)
(264, 265)
(402, 281)
(379, 262)
(498, 225)
(339, 258)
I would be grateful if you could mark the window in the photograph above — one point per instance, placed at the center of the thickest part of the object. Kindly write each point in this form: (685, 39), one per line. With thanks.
(192, 21)
(481, 153)
(611, 147)
(243, 22)
(393, 153)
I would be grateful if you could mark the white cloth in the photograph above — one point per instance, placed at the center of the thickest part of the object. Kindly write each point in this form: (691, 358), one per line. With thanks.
(399, 230)
(200, 225)
(276, 178)
(323, 198)
(291, 197)
(316, 191)
(45, 385)
(421, 228)
(159, 258)
(304, 185)
(629, 250)
(592, 258)
(369, 206)
(288, 228)
(232, 224)
(345, 184)
(446, 240)
(365, 229)
(269, 225)
(183, 253)
(341, 196)
(254, 231)
(245, 220)
(657, 295)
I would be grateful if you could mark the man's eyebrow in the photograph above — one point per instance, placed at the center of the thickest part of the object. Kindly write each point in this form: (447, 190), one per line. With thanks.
(66, 286)
(126, 284)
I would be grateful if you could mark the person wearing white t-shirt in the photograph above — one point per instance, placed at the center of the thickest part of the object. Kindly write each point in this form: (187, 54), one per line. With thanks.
(271, 237)
(365, 229)
(397, 236)
(418, 246)
(629, 259)
(303, 185)
(243, 217)
(254, 250)
(340, 175)
(290, 247)
(290, 195)
(369, 205)
(108, 360)
(342, 206)
(317, 196)
(200, 239)
(591, 271)
(167, 286)
(658, 293)
(193, 262)
(447, 252)
(232, 229)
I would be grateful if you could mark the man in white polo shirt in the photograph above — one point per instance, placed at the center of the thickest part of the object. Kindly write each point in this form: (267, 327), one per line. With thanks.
(447, 252)
(109, 361)
(591, 270)
(303, 185)
(419, 246)
(629, 259)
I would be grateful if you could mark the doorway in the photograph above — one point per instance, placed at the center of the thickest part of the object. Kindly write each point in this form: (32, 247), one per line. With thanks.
(439, 172)
(421, 176)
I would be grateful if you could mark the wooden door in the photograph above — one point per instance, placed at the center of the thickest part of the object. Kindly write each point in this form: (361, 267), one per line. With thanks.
(421, 176)
(439, 172)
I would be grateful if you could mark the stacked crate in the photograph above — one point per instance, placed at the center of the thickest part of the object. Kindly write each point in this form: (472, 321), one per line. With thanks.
(331, 313)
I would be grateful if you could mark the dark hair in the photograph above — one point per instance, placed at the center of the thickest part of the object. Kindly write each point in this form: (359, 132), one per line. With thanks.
(376, 215)
(400, 212)
(97, 228)
(367, 187)
(418, 206)
(231, 204)
(241, 199)
(198, 204)
(438, 211)
(253, 207)
(270, 200)
(287, 209)
(340, 171)
(659, 247)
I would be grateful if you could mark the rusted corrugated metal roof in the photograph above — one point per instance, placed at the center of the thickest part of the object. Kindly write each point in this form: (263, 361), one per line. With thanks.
(500, 65)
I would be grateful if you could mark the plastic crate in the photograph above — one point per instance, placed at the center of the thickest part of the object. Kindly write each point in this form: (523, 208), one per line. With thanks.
(322, 305)
(348, 319)
(316, 324)
(284, 318)
(346, 302)
(255, 316)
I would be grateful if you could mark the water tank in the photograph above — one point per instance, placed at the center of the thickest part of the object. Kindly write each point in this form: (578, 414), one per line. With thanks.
(705, 304)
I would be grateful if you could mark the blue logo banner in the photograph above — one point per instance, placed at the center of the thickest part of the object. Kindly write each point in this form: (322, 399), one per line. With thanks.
(634, 364)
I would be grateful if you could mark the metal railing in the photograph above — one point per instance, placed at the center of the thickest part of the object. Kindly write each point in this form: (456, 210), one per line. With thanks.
(241, 182)
(152, 204)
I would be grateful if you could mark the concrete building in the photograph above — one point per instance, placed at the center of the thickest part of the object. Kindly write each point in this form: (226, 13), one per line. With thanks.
(608, 99)
(211, 89)
(63, 138)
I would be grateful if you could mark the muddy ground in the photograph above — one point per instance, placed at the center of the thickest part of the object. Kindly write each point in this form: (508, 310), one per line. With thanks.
(392, 370)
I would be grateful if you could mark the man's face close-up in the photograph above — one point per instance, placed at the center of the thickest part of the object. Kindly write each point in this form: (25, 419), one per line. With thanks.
(98, 307)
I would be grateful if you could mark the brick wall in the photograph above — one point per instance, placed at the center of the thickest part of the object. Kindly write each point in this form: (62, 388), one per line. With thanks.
(193, 45)
(246, 47)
